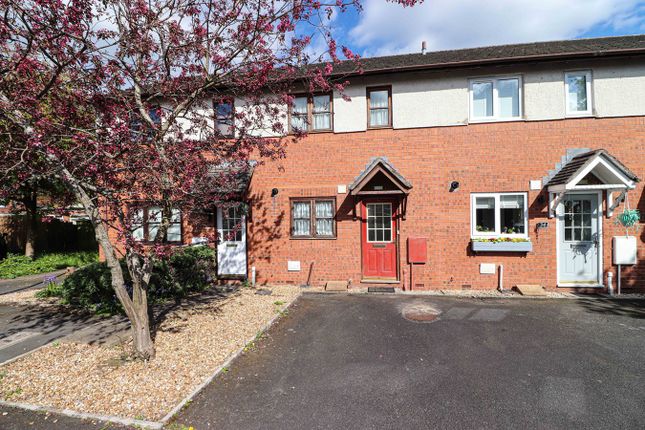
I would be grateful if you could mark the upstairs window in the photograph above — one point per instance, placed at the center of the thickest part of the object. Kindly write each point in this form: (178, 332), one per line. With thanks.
(379, 104)
(313, 218)
(578, 92)
(141, 129)
(146, 224)
(311, 113)
(495, 99)
(499, 215)
(224, 117)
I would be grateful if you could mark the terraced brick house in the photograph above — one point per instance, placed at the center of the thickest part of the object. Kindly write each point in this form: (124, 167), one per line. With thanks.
(447, 168)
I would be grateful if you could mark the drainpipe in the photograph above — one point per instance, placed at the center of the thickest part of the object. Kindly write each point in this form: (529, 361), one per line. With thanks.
(501, 278)
(253, 276)
(610, 286)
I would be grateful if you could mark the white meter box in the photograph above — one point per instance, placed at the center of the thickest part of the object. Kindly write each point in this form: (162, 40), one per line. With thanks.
(624, 249)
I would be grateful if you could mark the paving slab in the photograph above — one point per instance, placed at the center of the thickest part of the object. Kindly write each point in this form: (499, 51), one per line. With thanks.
(25, 328)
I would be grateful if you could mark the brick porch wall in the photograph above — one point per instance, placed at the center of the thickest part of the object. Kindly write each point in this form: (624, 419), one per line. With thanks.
(493, 157)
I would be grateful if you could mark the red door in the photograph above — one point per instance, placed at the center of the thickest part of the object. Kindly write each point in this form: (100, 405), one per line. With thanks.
(379, 239)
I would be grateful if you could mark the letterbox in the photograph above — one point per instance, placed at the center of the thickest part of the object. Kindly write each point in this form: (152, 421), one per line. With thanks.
(417, 250)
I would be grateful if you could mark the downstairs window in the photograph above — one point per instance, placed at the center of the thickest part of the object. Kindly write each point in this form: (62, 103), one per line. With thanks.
(499, 215)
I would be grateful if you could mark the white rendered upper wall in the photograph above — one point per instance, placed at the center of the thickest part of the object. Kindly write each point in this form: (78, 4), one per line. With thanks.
(441, 98)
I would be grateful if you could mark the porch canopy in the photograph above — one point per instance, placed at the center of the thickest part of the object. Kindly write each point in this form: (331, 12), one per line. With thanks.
(380, 179)
(592, 171)
(232, 178)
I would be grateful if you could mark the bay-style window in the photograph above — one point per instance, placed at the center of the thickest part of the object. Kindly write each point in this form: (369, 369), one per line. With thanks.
(499, 215)
(577, 87)
(313, 218)
(496, 99)
(379, 103)
(146, 222)
(311, 113)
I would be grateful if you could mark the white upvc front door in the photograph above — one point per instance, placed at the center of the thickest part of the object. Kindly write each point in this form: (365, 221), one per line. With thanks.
(579, 240)
(231, 248)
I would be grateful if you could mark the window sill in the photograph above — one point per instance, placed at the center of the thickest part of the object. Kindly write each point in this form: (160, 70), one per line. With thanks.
(312, 238)
(502, 246)
(379, 127)
(486, 120)
(579, 115)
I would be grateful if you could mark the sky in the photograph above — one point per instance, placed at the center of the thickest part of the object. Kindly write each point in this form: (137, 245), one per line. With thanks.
(384, 28)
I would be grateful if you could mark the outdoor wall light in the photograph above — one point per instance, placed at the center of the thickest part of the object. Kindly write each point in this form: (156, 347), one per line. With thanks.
(454, 186)
(274, 192)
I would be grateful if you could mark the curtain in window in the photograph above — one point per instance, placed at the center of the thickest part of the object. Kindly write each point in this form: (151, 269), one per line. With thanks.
(577, 93)
(324, 218)
(137, 225)
(224, 115)
(174, 230)
(154, 219)
(485, 214)
(511, 202)
(512, 214)
(508, 91)
(299, 113)
(482, 99)
(301, 219)
(379, 108)
(322, 114)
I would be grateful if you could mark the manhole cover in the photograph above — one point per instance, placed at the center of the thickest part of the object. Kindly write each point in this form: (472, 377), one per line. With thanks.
(420, 313)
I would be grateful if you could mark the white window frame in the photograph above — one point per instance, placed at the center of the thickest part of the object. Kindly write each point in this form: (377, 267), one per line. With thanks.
(588, 79)
(494, 80)
(367, 229)
(474, 234)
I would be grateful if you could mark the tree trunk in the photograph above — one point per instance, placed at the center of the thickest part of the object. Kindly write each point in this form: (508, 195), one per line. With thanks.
(140, 278)
(31, 223)
(136, 308)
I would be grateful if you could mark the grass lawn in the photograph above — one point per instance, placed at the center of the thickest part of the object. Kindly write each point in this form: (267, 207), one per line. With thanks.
(18, 265)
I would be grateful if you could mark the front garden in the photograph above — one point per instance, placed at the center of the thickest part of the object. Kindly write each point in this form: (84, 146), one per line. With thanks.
(197, 327)
(15, 265)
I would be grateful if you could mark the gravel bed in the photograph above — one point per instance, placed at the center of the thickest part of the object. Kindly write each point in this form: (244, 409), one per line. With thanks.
(27, 297)
(191, 343)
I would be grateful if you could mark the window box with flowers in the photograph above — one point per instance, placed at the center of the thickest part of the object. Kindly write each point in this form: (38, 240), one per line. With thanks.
(501, 245)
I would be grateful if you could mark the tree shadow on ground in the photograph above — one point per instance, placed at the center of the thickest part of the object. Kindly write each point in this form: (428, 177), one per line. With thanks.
(46, 320)
(619, 307)
(210, 300)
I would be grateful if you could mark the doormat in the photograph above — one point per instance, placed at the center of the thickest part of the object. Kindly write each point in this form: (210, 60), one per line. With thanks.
(380, 289)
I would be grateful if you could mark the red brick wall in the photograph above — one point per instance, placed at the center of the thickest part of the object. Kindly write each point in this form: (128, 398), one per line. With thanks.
(493, 157)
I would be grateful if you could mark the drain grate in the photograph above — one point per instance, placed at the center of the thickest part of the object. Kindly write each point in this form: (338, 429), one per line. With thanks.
(420, 316)
(420, 312)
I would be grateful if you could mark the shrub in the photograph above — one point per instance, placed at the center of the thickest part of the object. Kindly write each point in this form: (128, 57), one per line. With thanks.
(189, 269)
(18, 265)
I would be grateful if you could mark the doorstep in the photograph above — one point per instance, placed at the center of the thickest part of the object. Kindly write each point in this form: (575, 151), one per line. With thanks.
(379, 281)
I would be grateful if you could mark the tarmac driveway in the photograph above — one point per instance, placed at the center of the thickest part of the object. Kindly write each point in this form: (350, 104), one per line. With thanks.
(356, 362)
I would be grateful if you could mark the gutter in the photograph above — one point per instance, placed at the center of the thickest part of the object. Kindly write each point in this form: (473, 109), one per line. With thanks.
(499, 60)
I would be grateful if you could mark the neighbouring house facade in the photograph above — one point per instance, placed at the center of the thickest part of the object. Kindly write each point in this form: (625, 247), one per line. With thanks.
(447, 168)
